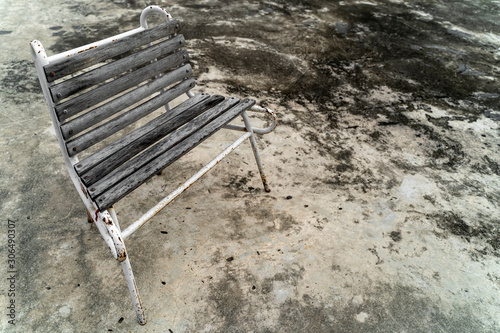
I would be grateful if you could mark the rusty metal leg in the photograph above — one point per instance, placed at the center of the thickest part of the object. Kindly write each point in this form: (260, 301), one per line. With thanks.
(248, 126)
(109, 221)
(134, 293)
(112, 212)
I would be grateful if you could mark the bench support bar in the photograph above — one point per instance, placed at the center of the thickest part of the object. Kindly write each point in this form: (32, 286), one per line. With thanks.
(174, 194)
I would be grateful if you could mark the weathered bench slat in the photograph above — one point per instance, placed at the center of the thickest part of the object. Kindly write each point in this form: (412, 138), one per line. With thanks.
(58, 69)
(107, 71)
(93, 160)
(163, 126)
(99, 133)
(85, 121)
(130, 183)
(97, 95)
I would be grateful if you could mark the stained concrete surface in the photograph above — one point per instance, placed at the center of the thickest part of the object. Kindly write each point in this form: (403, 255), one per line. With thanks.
(384, 214)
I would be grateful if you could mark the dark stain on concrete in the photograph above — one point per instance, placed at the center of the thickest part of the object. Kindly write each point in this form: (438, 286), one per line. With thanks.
(259, 210)
(309, 317)
(234, 305)
(238, 182)
(493, 166)
(290, 277)
(393, 31)
(133, 4)
(230, 302)
(87, 34)
(17, 79)
(380, 311)
(396, 236)
(377, 45)
(255, 62)
(487, 231)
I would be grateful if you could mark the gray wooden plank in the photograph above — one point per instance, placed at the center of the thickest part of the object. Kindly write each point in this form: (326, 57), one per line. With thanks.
(60, 68)
(83, 122)
(127, 185)
(93, 160)
(162, 127)
(97, 95)
(101, 74)
(90, 138)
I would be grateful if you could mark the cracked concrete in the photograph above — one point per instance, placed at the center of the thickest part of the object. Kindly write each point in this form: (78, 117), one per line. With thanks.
(384, 211)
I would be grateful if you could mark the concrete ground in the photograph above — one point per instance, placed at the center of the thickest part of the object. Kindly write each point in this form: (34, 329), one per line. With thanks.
(384, 211)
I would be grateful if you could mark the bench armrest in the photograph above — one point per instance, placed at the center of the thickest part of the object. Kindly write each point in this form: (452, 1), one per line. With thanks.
(255, 108)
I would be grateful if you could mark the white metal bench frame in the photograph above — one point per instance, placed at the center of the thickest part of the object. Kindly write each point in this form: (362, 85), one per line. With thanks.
(107, 221)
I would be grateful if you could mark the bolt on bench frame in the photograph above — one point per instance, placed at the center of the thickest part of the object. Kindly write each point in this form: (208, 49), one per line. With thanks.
(106, 219)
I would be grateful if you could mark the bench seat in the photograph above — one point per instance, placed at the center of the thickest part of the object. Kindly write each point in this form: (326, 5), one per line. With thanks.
(119, 168)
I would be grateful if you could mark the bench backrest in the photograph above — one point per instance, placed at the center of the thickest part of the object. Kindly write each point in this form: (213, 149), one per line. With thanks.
(90, 87)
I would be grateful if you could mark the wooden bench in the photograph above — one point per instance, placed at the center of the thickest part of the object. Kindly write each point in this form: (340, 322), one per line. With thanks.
(98, 90)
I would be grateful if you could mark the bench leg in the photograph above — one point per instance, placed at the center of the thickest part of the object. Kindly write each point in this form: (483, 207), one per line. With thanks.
(134, 293)
(248, 126)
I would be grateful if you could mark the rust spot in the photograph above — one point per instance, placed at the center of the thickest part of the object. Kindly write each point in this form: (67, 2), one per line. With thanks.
(122, 255)
(89, 217)
(84, 192)
(52, 74)
(90, 48)
(74, 148)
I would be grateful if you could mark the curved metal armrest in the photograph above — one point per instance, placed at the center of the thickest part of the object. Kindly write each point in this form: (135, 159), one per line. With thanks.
(151, 9)
(255, 108)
